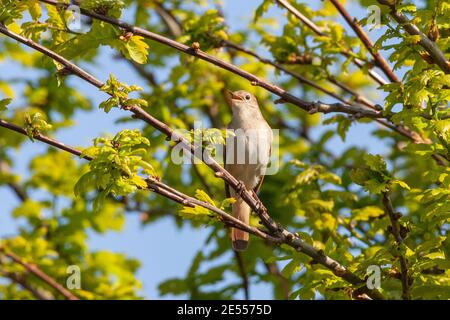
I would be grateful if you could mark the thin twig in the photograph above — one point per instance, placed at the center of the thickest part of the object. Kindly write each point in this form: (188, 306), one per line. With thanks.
(430, 46)
(277, 233)
(154, 185)
(202, 179)
(311, 25)
(283, 236)
(297, 76)
(172, 24)
(35, 270)
(38, 293)
(285, 96)
(396, 231)
(18, 190)
(243, 274)
(379, 59)
(273, 269)
(44, 139)
(358, 98)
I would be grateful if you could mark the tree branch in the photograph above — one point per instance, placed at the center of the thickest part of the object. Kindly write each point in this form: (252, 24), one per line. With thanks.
(177, 196)
(172, 24)
(139, 113)
(35, 270)
(358, 98)
(243, 273)
(430, 46)
(38, 293)
(272, 268)
(175, 28)
(155, 186)
(297, 76)
(277, 233)
(18, 190)
(397, 232)
(311, 25)
(44, 139)
(281, 235)
(256, 81)
(379, 59)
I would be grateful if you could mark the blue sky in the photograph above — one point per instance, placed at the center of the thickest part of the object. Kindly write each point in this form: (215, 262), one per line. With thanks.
(160, 259)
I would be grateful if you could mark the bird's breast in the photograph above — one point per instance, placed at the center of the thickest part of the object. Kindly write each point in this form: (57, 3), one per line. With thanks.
(248, 153)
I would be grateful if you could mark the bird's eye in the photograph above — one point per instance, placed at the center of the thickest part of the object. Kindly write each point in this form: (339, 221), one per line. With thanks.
(247, 97)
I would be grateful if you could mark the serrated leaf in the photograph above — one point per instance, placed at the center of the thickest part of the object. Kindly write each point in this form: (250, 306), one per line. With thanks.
(137, 49)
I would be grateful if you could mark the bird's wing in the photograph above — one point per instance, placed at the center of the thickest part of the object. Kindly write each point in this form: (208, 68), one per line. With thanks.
(258, 186)
(227, 187)
(261, 179)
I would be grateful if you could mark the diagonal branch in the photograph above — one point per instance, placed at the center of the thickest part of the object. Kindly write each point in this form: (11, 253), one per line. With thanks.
(281, 235)
(311, 25)
(379, 59)
(38, 293)
(139, 113)
(153, 185)
(35, 270)
(414, 136)
(256, 81)
(430, 46)
(162, 189)
(285, 287)
(172, 24)
(18, 190)
(44, 139)
(277, 233)
(396, 230)
(175, 28)
(299, 77)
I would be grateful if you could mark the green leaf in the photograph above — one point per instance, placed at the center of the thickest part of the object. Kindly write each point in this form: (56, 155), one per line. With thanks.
(291, 267)
(364, 214)
(227, 203)
(401, 183)
(29, 209)
(116, 166)
(343, 124)
(203, 196)
(119, 94)
(35, 125)
(4, 103)
(262, 8)
(375, 163)
(137, 49)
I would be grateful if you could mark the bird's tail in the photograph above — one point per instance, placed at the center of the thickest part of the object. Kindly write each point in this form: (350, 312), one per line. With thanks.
(239, 238)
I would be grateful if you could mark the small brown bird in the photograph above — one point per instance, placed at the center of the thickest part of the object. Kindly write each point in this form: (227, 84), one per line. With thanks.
(247, 155)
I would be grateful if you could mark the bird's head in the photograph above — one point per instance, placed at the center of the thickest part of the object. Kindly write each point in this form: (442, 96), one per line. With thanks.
(242, 99)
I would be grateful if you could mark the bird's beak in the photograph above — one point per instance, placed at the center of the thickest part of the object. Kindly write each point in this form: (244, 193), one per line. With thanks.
(233, 96)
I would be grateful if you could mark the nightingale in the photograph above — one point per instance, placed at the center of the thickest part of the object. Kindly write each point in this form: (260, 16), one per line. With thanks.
(246, 156)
